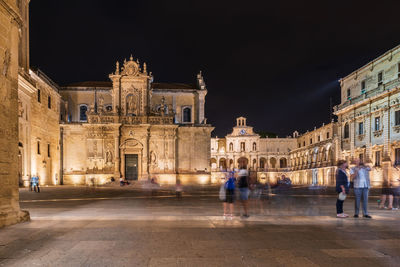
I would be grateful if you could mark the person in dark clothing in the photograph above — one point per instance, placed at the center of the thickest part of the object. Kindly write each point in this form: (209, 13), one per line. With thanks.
(243, 185)
(342, 186)
(230, 196)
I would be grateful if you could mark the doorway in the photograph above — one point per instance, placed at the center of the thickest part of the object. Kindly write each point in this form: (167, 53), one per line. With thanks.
(131, 166)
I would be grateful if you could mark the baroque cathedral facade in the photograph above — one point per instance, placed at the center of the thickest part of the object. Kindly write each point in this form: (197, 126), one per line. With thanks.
(86, 133)
(135, 128)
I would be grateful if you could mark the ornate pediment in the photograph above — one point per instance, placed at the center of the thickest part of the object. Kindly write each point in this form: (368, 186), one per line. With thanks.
(130, 68)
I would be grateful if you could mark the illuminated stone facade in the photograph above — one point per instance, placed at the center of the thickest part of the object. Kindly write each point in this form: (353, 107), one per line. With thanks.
(136, 128)
(369, 116)
(309, 158)
(368, 128)
(269, 157)
(39, 128)
(314, 159)
(12, 23)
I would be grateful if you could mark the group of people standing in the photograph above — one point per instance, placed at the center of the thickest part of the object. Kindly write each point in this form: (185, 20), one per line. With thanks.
(360, 181)
(359, 176)
(239, 185)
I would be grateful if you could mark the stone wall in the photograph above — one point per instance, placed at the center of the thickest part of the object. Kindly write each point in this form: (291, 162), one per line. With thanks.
(45, 133)
(10, 21)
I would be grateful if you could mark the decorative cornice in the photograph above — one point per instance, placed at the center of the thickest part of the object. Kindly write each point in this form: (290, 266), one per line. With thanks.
(12, 12)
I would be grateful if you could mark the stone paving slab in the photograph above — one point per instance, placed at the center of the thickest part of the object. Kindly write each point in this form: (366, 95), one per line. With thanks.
(134, 229)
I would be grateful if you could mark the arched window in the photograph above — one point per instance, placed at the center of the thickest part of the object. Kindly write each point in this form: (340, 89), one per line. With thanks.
(283, 163)
(230, 147)
(254, 146)
(262, 163)
(222, 163)
(82, 112)
(187, 114)
(346, 133)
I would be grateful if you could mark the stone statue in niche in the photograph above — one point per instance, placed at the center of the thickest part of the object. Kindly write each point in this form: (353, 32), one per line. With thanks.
(20, 109)
(162, 107)
(101, 103)
(153, 159)
(131, 104)
(108, 157)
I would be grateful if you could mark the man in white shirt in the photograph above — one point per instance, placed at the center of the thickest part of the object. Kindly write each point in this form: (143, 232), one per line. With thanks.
(360, 176)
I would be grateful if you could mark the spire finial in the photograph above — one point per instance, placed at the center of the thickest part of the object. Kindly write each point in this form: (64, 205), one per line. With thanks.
(131, 58)
(144, 68)
(117, 68)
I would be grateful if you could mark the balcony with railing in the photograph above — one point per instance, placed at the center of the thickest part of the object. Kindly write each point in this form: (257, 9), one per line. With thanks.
(370, 93)
(131, 120)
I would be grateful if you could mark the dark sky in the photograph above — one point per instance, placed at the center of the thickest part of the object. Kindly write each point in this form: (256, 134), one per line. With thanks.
(275, 62)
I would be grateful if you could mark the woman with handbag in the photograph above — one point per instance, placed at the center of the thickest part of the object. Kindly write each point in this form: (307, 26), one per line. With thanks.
(342, 188)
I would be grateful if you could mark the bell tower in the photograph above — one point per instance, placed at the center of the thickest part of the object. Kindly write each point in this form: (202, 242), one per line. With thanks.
(241, 122)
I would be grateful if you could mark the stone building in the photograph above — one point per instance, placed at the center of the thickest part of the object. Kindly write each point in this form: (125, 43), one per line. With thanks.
(39, 128)
(269, 157)
(313, 160)
(136, 128)
(13, 22)
(369, 115)
(309, 158)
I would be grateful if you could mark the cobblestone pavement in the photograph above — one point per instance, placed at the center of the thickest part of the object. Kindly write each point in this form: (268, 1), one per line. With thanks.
(113, 226)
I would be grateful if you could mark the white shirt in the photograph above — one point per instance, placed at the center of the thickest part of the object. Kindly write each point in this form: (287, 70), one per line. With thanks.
(362, 177)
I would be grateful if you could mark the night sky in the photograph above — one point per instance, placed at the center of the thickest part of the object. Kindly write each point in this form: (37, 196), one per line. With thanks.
(275, 62)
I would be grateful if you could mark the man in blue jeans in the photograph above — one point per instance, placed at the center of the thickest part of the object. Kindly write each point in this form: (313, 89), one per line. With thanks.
(361, 182)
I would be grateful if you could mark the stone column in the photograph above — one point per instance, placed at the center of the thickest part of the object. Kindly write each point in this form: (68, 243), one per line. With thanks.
(352, 125)
(10, 22)
(117, 172)
(386, 160)
(386, 133)
(174, 108)
(202, 96)
(368, 132)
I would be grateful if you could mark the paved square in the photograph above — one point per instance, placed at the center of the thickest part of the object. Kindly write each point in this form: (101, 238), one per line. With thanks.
(112, 226)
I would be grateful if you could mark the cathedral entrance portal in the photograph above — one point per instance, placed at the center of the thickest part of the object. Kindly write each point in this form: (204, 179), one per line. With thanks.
(131, 166)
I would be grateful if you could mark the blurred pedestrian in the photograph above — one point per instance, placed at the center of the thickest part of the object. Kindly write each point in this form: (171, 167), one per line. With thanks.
(178, 189)
(229, 187)
(31, 183)
(396, 197)
(265, 195)
(342, 188)
(243, 185)
(35, 183)
(255, 195)
(123, 181)
(387, 194)
(361, 183)
(154, 186)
